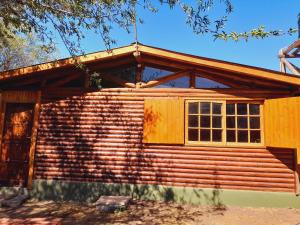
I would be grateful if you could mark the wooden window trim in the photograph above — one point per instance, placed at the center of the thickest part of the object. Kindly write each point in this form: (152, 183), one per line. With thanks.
(224, 143)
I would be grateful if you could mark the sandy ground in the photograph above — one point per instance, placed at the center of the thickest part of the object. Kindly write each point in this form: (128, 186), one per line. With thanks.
(146, 212)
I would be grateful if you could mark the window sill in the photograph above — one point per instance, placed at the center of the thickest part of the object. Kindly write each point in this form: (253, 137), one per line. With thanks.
(222, 145)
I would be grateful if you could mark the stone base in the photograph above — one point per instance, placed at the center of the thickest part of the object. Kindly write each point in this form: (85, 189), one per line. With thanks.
(91, 191)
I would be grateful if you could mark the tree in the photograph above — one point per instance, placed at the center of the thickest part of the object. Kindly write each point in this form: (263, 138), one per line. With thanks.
(24, 51)
(70, 18)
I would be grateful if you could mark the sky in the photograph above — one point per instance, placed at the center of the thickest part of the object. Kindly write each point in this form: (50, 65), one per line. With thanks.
(167, 29)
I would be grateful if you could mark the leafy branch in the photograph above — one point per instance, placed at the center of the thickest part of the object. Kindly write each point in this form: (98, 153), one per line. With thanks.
(258, 33)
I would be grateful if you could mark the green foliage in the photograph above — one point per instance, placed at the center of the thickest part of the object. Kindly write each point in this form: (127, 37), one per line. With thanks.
(21, 51)
(258, 33)
(71, 18)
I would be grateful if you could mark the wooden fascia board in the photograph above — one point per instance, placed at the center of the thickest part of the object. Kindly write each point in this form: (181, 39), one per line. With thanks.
(230, 67)
(68, 62)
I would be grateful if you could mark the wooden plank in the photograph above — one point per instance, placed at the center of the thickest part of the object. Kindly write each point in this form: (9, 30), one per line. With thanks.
(33, 139)
(164, 121)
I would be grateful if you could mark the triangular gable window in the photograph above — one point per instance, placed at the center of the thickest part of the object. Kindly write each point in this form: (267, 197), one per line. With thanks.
(207, 83)
(151, 73)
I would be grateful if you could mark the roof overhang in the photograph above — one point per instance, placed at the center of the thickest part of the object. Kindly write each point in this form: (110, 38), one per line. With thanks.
(160, 57)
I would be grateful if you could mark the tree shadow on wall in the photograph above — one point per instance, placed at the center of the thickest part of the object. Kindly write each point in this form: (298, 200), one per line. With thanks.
(93, 140)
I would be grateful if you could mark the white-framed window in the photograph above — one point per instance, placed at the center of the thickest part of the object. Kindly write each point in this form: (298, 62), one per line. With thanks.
(223, 122)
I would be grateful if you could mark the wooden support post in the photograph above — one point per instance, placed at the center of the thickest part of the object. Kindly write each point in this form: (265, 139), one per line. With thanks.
(192, 80)
(34, 139)
(296, 172)
(138, 75)
(87, 78)
(1, 122)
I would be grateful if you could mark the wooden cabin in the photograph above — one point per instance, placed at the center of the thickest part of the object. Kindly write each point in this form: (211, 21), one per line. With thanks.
(141, 115)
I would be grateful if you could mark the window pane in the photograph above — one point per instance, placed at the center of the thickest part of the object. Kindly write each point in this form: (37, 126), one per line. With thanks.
(193, 121)
(242, 136)
(217, 135)
(204, 135)
(255, 136)
(216, 122)
(205, 121)
(254, 122)
(193, 108)
(254, 109)
(205, 107)
(217, 108)
(230, 109)
(230, 122)
(242, 109)
(242, 122)
(230, 135)
(193, 135)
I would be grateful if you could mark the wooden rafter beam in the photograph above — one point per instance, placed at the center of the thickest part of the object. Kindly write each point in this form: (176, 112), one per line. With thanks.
(164, 79)
(117, 80)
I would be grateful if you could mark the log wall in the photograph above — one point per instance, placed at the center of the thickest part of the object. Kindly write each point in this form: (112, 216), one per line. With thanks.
(97, 137)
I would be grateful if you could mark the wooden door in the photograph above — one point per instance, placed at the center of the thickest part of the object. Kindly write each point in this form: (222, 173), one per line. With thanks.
(16, 141)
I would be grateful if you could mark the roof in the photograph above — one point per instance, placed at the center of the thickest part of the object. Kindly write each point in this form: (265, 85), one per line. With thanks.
(159, 56)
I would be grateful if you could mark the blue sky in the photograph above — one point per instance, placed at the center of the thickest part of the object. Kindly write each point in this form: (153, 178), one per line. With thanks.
(167, 29)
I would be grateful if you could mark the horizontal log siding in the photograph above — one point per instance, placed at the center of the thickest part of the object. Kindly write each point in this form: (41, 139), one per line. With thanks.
(96, 137)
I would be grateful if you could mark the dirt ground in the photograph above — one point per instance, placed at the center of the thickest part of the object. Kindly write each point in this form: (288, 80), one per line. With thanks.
(146, 212)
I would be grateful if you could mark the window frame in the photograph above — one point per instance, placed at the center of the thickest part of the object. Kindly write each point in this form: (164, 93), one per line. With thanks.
(223, 123)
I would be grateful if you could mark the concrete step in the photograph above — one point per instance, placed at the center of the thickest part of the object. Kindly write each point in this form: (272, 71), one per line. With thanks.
(112, 203)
